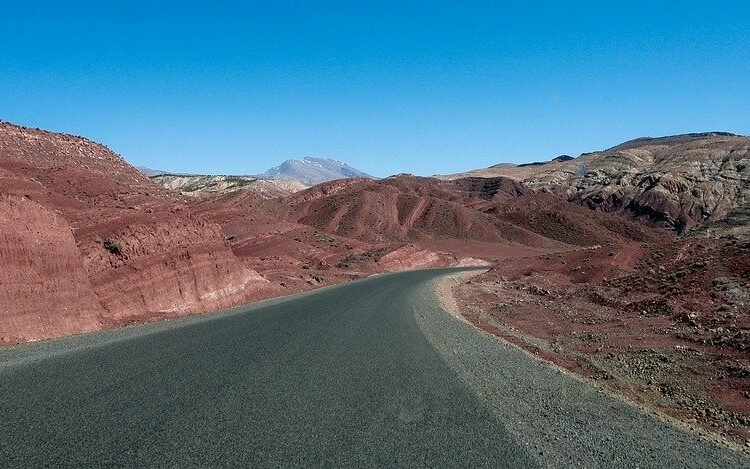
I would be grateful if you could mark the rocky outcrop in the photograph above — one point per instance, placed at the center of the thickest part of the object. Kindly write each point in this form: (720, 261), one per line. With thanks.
(44, 288)
(677, 182)
(197, 185)
(735, 225)
(411, 257)
(173, 264)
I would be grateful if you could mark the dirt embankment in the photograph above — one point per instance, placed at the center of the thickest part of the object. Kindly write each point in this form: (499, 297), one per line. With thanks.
(664, 324)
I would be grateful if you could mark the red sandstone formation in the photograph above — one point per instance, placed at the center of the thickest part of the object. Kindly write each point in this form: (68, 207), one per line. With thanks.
(88, 242)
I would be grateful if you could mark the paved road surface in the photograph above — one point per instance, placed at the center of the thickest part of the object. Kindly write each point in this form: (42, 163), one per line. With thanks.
(368, 373)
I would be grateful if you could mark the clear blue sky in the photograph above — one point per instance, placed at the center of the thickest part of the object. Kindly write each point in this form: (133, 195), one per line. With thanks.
(420, 87)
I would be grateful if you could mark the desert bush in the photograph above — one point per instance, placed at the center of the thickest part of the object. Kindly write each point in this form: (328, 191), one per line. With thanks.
(114, 246)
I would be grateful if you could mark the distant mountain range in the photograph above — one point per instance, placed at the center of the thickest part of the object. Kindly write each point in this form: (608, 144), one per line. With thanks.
(151, 172)
(306, 171)
(311, 171)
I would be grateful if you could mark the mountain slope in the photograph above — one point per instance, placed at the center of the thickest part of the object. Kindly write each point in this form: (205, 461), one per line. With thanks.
(677, 182)
(202, 185)
(88, 242)
(312, 171)
(493, 210)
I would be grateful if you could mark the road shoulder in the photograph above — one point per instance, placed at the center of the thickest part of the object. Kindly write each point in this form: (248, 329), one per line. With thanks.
(537, 396)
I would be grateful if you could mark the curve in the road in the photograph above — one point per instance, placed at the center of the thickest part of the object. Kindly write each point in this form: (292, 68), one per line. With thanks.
(368, 373)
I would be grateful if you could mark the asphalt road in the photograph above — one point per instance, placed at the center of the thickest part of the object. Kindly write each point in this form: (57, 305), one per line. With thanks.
(370, 373)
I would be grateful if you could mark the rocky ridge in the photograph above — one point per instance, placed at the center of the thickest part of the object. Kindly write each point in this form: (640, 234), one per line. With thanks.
(677, 182)
(202, 185)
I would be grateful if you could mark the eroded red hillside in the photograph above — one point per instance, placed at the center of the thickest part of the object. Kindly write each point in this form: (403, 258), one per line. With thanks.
(63, 197)
(498, 211)
(407, 208)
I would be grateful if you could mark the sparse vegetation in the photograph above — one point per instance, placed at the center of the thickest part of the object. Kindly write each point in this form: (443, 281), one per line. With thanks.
(113, 246)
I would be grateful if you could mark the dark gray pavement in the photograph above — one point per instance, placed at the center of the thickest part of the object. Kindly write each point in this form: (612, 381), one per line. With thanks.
(370, 373)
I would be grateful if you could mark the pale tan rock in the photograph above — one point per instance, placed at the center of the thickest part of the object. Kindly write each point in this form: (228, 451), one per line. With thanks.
(677, 182)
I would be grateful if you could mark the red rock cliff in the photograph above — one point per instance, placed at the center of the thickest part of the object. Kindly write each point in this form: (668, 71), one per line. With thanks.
(61, 198)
